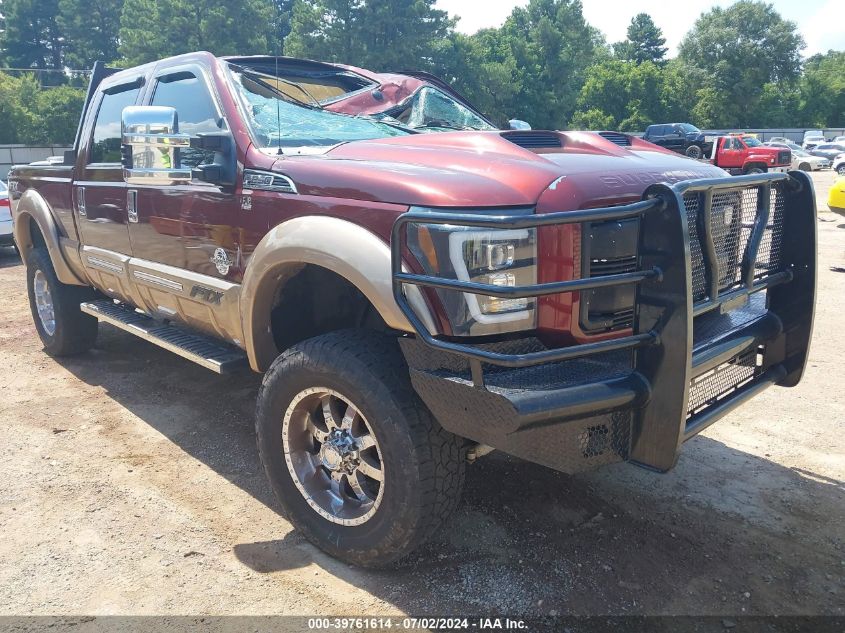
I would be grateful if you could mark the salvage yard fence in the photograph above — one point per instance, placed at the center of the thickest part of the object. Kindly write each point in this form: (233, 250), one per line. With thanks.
(22, 154)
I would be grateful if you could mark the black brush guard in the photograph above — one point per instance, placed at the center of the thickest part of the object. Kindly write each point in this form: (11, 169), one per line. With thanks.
(724, 309)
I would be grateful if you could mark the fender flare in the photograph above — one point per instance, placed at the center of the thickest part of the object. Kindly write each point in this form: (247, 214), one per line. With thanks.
(349, 250)
(33, 206)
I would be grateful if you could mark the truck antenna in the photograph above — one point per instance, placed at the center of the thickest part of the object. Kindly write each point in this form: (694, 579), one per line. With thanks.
(278, 53)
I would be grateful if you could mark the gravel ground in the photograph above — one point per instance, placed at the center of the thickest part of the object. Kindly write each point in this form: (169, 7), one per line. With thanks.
(129, 484)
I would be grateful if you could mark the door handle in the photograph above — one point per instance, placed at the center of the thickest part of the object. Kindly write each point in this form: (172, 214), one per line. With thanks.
(80, 201)
(132, 205)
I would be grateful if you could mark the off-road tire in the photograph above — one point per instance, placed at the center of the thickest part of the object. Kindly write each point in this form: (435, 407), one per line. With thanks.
(423, 464)
(694, 151)
(804, 167)
(75, 332)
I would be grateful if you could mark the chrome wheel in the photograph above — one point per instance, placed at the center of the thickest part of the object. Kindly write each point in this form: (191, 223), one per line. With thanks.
(44, 302)
(333, 456)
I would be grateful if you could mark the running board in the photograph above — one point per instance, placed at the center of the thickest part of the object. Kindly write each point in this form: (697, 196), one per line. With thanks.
(210, 353)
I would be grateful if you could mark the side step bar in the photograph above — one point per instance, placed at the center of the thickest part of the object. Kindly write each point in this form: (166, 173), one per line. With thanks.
(203, 350)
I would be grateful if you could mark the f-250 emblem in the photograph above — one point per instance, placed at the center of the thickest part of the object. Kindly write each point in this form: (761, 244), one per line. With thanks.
(207, 294)
(221, 261)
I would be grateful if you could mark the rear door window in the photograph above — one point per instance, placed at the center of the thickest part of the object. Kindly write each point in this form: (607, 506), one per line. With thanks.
(106, 139)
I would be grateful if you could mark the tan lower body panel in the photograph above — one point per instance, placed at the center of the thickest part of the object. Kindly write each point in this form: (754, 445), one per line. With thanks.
(198, 301)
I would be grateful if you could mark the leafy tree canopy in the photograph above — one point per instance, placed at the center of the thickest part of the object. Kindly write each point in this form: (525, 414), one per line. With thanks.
(741, 49)
(645, 41)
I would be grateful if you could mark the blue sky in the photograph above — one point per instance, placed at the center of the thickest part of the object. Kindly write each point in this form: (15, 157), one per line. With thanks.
(821, 22)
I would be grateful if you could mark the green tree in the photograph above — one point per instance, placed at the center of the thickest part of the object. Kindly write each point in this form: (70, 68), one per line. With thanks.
(32, 114)
(375, 34)
(152, 29)
(822, 90)
(622, 95)
(741, 49)
(31, 36)
(550, 46)
(486, 80)
(90, 31)
(645, 41)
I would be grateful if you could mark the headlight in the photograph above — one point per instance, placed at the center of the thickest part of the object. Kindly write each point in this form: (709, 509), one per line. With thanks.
(499, 257)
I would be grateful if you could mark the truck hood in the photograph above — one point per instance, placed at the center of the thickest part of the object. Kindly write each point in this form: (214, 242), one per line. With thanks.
(489, 169)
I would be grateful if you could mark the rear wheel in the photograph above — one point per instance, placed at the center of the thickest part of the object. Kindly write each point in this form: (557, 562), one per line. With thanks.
(805, 167)
(694, 151)
(841, 170)
(63, 328)
(357, 462)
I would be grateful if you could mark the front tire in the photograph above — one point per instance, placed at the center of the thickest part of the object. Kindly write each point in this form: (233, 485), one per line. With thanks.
(694, 151)
(841, 170)
(63, 328)
(755, 170)
(358, 464)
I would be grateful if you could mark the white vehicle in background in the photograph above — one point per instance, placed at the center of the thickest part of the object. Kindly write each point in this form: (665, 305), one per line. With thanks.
(838, 139)
(5, 217)
(813, 138)
(839, 164)
(800, 159)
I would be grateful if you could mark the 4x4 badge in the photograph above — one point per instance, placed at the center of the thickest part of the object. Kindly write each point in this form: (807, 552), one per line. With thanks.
(222, 261)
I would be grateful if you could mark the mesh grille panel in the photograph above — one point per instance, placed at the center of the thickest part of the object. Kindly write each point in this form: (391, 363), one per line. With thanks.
(711, 387)
(732, 220)
(699, 284)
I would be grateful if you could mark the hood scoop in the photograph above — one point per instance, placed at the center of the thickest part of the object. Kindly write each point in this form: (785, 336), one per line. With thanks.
(533, 140)
(617, 137)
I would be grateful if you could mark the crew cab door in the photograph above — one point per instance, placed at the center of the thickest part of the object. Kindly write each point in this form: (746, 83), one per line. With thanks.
(185, 236)
(99, 191)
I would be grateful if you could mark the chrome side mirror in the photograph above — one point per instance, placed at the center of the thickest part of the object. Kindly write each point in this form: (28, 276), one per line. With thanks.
(516, 124)
(151, 146)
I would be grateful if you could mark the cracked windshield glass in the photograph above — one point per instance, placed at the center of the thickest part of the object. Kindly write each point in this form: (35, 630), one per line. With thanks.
(279, 120)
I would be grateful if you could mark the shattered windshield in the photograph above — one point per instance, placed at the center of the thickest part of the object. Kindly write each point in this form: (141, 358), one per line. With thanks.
(429, 108)
(281, 120)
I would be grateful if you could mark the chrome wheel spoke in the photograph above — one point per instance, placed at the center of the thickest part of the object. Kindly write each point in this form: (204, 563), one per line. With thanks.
(355, 484)
(348, 418)
(320, 435)
(364, 442)
(329, 413)
(365, 468)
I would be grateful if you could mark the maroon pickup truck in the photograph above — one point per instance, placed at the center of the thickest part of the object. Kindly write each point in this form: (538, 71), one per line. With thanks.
(414, 300)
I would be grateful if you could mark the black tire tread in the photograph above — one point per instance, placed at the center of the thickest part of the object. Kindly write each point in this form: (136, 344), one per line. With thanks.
(442, 455)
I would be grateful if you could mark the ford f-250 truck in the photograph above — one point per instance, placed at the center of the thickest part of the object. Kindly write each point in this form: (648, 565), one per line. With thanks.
(415, 300)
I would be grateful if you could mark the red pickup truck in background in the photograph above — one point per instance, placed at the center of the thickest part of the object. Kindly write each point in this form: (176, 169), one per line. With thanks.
(745, 154)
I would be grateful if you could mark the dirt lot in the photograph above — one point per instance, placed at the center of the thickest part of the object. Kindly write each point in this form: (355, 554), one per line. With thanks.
(129, 484)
